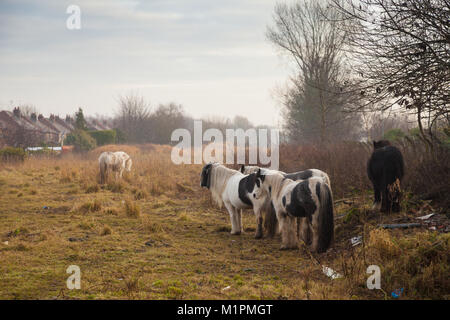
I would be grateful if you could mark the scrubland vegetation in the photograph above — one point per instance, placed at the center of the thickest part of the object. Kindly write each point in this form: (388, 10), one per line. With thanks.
(156, 235)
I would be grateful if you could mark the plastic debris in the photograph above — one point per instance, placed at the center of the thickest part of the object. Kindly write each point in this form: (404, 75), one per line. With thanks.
(428, 216)
(399, 225)
(356, 240)
(45, 207)
(397, 293)
(226, 288)
(331, 273)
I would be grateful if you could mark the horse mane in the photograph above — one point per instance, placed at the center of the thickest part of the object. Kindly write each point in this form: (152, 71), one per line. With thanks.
(219, 179)
(276, 182)
(264, 171)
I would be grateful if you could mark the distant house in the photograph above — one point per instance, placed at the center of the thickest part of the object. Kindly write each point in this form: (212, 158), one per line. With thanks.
(19, 130)
(94, 124)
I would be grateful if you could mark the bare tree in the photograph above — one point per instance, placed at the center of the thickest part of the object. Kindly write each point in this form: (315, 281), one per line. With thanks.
(401, 51)
(315, 102)
(165, 119)
(27, 110)
(133, 118)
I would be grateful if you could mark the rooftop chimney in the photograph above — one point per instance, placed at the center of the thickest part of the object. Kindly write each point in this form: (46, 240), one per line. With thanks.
(16, 112)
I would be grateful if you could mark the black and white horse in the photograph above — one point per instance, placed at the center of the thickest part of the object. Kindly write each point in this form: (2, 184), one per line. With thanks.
(311, 200)
(236, 191)
(270, 218)
(385, 169)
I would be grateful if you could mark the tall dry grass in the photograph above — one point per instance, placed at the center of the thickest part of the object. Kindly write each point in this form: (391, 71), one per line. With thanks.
(427, 172)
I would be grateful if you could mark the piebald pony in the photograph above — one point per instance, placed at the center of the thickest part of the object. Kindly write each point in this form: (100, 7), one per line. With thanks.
(310, 199)
(270, 218)
(236, 191)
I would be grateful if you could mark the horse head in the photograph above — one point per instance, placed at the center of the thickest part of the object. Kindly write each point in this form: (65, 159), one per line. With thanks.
(205, 180)
(128, 164)
(380, 144)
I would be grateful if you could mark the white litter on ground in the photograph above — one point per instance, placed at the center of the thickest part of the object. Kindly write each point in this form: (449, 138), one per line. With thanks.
(428, 216)
(356, 240)
(331, 273)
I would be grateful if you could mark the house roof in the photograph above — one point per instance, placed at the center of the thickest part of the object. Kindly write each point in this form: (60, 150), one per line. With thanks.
(9, 119)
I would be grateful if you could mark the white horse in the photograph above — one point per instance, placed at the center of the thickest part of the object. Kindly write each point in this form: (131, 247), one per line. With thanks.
(113, 161)
(311, 200)
(236, 191)
(270, 218)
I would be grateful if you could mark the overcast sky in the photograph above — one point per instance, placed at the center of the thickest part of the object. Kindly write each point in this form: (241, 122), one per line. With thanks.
(211, 56)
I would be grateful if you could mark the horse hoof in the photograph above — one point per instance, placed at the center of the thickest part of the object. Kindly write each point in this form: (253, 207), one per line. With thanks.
(258, 236)
(235, 233)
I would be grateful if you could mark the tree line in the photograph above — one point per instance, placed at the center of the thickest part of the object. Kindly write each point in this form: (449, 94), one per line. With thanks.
(360, 62)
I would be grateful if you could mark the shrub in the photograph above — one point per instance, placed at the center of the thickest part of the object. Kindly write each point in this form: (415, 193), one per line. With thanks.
(81, 140)
(104, 137)
(120, 136)
(394, 135)
(11, 154)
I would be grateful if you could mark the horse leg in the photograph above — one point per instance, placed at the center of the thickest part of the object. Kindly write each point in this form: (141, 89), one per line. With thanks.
(270, 220)
(235, 230)
(102, 175)
(239, 220)
(106, 174)
(287, 227)
(385, 203)
(315, 231)
(377, 201)
(293, 235)
(305, 230)
(259, 225)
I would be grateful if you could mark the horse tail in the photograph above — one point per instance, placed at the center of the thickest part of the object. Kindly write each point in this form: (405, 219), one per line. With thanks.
(270, 220)
(325, 219)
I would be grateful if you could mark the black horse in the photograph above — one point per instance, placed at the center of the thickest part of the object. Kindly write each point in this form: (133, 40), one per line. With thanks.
(385, 169)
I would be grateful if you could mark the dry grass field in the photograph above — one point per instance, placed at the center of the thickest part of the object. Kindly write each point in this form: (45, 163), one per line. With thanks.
(156, 235)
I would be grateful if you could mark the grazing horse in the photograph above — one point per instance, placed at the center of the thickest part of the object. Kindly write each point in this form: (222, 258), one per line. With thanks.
(270, 218)
(385, 169)
(236, 191)
(310, 199)
(114, 161)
